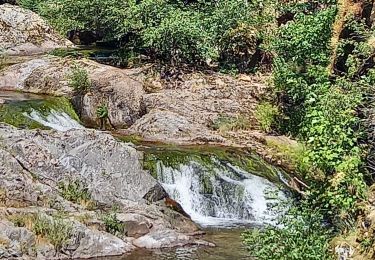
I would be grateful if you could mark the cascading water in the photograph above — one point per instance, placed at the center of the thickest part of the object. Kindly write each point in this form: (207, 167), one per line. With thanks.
(60, 121)
(33, 111)
(217, 193)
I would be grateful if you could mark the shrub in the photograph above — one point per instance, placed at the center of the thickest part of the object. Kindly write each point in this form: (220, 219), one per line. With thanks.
(301, 234)
(77, 192)
(56, 230)
(79, 79)
(112, 224)
(194, 32)
(266, 114)
(33, 5)
(239, 45)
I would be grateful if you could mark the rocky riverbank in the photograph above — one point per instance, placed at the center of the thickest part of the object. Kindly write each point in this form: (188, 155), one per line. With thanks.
(84, 175)
(198, 108)
(82, 193)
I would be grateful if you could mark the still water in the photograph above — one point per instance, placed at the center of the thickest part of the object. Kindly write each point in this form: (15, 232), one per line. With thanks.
(228, 247)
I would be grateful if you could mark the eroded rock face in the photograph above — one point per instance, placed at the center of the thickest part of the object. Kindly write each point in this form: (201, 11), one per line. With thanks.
(35, 163)
(23, 32)
(204, 98)
(111, 170)
(166, 126)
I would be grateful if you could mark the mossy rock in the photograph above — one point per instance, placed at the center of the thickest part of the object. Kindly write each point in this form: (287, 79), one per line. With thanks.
(15, 112)
(174, 157)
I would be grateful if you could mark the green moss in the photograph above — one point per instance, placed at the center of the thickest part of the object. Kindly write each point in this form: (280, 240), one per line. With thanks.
(206, 184)
(14, 116)
(150, 164)
(13, 113)
(135, 139)
(173, 157)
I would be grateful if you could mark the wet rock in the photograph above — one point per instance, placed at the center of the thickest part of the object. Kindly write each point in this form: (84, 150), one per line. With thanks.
(94, 243)
(23, 32)
(167, 239)
(156, 193)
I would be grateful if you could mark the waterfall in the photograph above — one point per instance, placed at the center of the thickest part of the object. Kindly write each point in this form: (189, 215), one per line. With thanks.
(59, 121)
(36, 111)
(220, 194)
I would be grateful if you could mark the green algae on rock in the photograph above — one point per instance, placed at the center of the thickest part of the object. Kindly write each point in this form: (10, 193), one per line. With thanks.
(18, 112)
(174, 157)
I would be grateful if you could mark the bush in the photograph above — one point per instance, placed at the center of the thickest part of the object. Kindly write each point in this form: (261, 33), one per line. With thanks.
(79, 79)
(194, 32)
(302, 235)
(239, 45)
(112, 224)
(266, 114)
(56, 230)
(33, 5)
(76, 192)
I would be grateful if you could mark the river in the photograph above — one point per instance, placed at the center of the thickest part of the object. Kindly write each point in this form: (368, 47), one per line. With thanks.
(224, 190)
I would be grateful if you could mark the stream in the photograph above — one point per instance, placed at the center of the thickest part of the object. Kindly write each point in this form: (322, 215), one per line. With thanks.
(224, 190)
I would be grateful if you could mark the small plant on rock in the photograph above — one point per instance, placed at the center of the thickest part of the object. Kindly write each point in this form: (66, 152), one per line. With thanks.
(102, 113)
(77, 192)
(225, 123)
(79, 79)
(112, 224)
(56, 230)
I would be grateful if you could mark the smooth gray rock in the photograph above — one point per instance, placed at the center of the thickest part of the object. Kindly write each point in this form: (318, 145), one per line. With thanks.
(94, 243)
(167, 238)
(111, 87)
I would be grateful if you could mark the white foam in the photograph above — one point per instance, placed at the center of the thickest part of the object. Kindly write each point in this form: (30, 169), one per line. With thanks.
(59, 121)
(236, 198)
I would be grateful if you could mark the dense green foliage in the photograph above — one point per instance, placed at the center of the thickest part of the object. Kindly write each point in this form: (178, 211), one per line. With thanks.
(323, 109)
(266, 113)
(321, 88)
(176, 31)
(303, 238)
